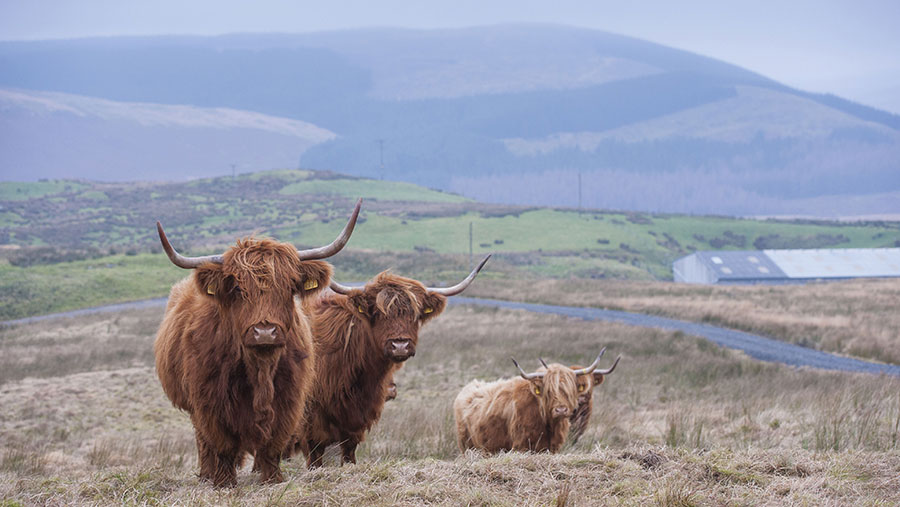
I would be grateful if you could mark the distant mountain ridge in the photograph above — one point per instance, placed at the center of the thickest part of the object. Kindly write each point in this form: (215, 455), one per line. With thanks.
(496, 112)
(51, 134)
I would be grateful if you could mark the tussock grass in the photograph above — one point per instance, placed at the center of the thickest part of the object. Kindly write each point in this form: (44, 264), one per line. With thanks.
(679, 422)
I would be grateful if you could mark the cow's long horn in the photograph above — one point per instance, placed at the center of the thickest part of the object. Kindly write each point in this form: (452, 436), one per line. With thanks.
(461, 286)
(611, 368)
(336, 245)
(541, 359)
(180, 260)
(592, 367)
(340, 289)
(527, 376)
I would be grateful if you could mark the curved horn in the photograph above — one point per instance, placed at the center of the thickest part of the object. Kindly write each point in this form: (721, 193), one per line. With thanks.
(527, 376)
(336, 245)
(541, 359)
(340, 289)
(461, 286)
(180, 260)
(611, 368)
(592, 367)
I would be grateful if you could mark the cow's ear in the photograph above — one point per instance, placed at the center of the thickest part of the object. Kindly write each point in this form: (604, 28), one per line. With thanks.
(360, 304)
(537, 386)
(598, 378)
(313, 277)
(212, 282)
(433, 305)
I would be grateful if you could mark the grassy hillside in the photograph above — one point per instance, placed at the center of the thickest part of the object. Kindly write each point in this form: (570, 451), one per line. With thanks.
(73, 244)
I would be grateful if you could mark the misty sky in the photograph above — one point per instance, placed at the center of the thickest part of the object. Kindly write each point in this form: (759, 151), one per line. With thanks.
(849, 48)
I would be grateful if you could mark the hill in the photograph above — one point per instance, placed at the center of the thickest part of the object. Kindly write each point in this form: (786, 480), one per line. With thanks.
(70, 244)
(513, 114)
(45, 134)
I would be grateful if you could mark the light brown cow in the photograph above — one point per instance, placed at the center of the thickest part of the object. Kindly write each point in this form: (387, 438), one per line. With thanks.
(585, 385)
(530, 413)
(236, 353)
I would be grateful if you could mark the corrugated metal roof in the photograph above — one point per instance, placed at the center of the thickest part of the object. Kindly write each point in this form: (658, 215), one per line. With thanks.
(772, 265)
(741, 264)
(837, 263)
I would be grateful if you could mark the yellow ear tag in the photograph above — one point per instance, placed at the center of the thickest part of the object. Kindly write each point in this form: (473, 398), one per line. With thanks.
(211, 289)
(537, 390)
(360, 308)
(310, 284)
(429, 310)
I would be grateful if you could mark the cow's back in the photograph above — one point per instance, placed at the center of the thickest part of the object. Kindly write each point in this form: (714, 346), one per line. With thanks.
(483, 412)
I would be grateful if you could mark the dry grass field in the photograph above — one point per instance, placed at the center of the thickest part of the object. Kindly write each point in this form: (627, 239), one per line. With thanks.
(680, 422)
(855, 317)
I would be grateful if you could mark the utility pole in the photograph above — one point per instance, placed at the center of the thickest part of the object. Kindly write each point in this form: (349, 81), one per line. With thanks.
(233, 171)
(381, 156)
(579, 192)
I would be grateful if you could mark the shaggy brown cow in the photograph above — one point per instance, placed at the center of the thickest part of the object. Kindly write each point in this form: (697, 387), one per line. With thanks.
(530, 413)
(236, 353)
(585, 385)
(362, 336)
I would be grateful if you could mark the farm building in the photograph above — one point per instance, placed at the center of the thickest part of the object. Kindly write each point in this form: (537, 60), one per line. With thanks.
(785, 266)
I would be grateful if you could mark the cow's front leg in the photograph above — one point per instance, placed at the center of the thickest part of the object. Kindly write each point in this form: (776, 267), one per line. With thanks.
(268, 460)
(226, 469)
(348, 450)
(206, 458)
(316, 451)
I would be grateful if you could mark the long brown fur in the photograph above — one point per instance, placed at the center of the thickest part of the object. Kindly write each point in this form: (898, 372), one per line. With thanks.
(516, 414)
(353, 368)
(241, 397)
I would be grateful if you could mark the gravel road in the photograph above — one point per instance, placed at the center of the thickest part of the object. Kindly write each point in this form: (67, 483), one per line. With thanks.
(758, 347)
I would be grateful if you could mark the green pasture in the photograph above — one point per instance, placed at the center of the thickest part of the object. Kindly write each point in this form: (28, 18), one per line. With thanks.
(43, 289)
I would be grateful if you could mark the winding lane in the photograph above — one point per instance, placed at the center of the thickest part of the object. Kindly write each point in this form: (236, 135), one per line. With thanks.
(755, 346)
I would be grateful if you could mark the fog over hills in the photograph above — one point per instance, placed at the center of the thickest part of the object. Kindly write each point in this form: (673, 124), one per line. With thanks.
(510, 113)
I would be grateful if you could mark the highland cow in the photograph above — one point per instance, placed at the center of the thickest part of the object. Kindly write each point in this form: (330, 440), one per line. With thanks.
(362, 335)
(585, 385)
(530, 413)
(236, 352)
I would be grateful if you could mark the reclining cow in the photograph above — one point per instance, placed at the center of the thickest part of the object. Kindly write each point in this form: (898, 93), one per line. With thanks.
(362, 336)
(236, 353)
(530, 413)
